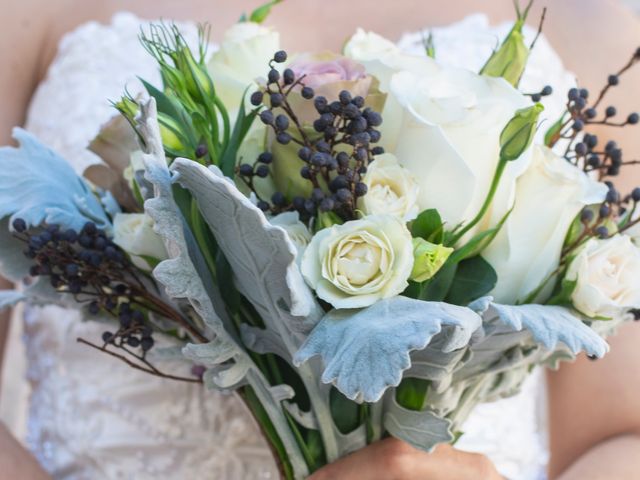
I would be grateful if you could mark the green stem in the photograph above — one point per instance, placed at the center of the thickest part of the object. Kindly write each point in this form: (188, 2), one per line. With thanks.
(198, 227)
(485, 206)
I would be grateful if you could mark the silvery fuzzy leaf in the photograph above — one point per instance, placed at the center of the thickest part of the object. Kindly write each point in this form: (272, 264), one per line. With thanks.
(262, 341)
(9, 298)
(178, 273)
(37, 185)
(180, 276)
(14, 264)
(210, 354)
(306, 419)
(366, 351)
(550, 325)
(261, 255)
(423, 430)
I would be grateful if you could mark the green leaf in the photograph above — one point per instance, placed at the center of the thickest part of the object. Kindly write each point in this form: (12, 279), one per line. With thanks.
(412, 393)
(563, 296)
(479, 242)
(474, 278)
(428, 226)
(261, 13)
(436, 289)
(151, 261)
(345, 412)
(553, 132)
(269, 431)
(240, 130)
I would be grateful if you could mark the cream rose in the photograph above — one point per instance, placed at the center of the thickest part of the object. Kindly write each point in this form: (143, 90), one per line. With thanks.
(606, 273)
(242, 58)
(360, 262)
(391, 189)
(548, 197)
(133, 232)
(297, 231)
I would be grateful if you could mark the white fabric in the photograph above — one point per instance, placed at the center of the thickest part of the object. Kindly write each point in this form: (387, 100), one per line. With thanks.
(92, 417)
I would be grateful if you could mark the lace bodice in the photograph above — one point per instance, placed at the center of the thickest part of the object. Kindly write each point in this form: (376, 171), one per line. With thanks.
(92, 417)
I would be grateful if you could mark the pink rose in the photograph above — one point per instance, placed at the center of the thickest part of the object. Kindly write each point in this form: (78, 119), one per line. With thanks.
(327, 68)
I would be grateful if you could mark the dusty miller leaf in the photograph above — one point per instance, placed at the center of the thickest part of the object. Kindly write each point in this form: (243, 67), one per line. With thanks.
(551, 325)
(39, 186)
(366, 351)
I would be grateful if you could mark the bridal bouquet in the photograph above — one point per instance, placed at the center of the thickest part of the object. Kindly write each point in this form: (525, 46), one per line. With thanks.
(360, 244)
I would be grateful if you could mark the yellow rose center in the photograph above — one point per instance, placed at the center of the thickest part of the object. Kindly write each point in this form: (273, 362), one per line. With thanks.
(358, 262)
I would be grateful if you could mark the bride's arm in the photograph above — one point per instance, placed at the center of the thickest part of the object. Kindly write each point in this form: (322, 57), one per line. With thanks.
(594, 418)
(20, 41)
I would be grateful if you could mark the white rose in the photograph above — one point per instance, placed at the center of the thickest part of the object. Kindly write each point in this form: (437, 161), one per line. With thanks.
(242, 58)
(634, 231)
(382, 58)
(360, 262)
(548, 197)
(391, 189)
(607, 273)
(448, 135)
(297, 231)
(133, 232)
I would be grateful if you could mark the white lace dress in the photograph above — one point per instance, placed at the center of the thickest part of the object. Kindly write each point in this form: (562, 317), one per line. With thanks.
(93, 418)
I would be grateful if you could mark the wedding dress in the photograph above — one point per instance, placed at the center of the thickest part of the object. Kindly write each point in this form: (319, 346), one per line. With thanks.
(94, 418)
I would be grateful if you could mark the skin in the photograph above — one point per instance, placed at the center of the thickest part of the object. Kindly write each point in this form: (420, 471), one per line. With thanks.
(594, 420)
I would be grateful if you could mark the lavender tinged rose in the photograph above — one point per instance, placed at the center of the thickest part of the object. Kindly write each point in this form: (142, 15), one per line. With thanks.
(391, 189)
(548, 198)
(328, 74)
(606, 273)
(360, 262)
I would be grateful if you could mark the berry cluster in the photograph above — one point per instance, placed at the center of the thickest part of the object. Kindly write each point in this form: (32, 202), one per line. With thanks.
(88, 265)
(334, 157)
(605, 159)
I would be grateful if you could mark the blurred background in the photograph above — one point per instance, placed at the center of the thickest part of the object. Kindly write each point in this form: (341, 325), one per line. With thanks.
(635, 4)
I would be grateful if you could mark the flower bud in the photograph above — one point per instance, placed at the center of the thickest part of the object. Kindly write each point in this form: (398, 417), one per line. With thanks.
(428, 259)
(172, 135)
(510, 59)
(519, 132)
(197, 80)
(128, 108)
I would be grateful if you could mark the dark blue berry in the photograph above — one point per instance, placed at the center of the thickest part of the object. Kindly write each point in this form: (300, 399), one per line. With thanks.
(613, 80)
(280, 56)
(276, 99)
(265, 157)
(246, 170)
(201, 150)
(282, 122)
(307, 93)
(602, 232)
(288, 76)
(256, 98)
(273, 76)
(345, 97)
(267, 117)
(278, 199)
(633, 118)
(283, 138)
(19, 225)
(262, 171)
